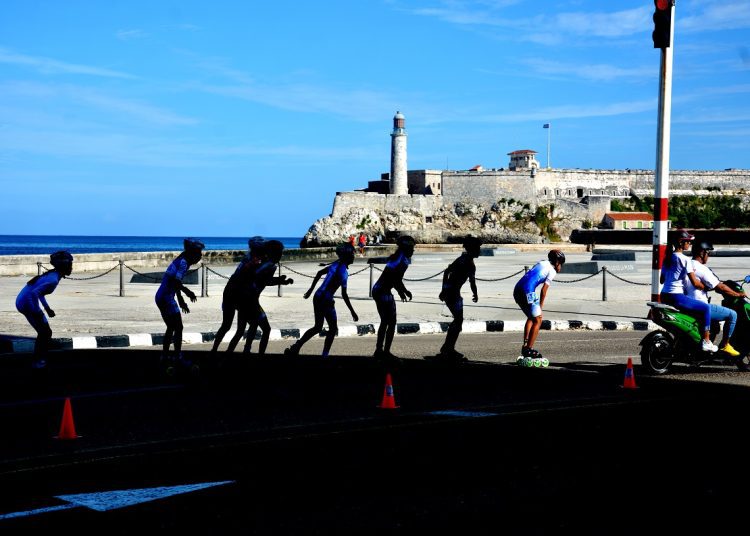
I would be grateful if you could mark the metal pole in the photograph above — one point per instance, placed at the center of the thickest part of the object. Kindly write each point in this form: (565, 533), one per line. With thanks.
(525, 270)
(281, 292)
(203, 280)
(549, 137)
(38, 268)
(207, 281)
(661, 174)
(604, 283)
(122, 278)
(372, 276)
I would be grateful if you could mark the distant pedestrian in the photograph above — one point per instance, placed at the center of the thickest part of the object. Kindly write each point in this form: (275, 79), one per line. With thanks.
(33, 293)
(353, 241)
(171, 287)
(235, 287)
(392, 277)
(264, 276)
(362, 243)
(337, 275)
(454, 277)
(531, 302)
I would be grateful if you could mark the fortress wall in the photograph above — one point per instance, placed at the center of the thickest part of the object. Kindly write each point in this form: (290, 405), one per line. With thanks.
(346, 201)
(488, 187)
(732, 180)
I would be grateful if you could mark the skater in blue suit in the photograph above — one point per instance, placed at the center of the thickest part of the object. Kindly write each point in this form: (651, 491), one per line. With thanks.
(531, 302)
(171, 287)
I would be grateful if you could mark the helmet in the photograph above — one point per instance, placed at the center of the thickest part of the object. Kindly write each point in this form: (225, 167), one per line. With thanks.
(555, 256)
(255, 242)
(273, 247)
(472, 243)
(684, 236)
(405, 241)
(59, 258)
(344, 250)
(193, 244)
(698, 247)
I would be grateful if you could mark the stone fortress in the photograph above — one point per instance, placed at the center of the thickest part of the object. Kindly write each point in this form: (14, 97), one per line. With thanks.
(500, 205)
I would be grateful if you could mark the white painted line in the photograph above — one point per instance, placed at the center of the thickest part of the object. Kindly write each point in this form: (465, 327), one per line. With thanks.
(275, 335)
(140, 339)
(82, 343)
(559, 325)
(430, 327)
(347, 331)
(514, 325)
(192, 338)
(474, 326)
(456, 413)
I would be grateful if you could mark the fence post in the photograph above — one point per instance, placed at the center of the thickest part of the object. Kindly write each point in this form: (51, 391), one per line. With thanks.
(525, 270)
(203, 280)
(38, 268)
(604, 283)
(207, 270)
(122, 278)
(372, 275)
(280, 292)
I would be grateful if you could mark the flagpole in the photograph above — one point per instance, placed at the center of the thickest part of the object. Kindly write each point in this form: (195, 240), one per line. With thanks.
(549, 135)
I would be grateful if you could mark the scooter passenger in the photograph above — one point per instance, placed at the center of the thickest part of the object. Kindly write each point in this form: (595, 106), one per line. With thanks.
(700, 253)
(677, 269)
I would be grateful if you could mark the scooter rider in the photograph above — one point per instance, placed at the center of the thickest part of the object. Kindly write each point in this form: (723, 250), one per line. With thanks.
(677, 268)
(700, 253)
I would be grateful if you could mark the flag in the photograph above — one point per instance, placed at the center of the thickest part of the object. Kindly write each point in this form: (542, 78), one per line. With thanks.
(545, 125)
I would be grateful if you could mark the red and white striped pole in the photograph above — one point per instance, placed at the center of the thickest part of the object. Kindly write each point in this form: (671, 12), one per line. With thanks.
(661, 174)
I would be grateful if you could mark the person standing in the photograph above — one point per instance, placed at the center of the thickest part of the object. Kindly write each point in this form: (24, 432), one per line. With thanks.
(362, 243)
(33, 293)
(454, 277)
(531, 302)
(392, 277)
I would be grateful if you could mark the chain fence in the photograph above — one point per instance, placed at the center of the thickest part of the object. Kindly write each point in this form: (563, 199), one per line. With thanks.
(206, 269)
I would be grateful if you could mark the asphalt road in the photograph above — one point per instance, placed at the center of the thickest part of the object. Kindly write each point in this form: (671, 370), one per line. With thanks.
(299, 445)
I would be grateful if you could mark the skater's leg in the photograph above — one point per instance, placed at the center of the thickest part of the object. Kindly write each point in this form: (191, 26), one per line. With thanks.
(241, 326)
(177, 333)
(265, 329)
(310, 333)
(457, 308)
(227, 319)
(333, 327)
(252, 330)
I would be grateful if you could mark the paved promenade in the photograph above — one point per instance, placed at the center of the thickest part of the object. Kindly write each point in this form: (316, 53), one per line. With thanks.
(90, 312)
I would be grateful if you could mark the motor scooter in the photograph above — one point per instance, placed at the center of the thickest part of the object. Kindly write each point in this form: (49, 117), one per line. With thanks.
(680, 340)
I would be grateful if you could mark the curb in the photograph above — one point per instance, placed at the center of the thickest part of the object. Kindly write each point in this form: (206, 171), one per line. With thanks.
(9, 344)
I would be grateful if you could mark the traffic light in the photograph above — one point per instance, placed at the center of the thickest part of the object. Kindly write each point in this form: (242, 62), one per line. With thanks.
(662, 23)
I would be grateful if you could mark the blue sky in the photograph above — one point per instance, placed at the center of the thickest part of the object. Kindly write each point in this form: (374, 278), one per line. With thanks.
(235, 118)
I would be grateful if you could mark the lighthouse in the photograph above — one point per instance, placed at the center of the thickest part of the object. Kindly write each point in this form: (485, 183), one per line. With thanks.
(399, 185)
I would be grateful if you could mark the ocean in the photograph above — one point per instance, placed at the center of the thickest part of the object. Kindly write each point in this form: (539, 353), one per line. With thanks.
(44, 245)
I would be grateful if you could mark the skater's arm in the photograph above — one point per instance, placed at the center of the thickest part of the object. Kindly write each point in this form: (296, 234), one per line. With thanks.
(543, 295)
(473, 285)
(315, 281)
(401, 289)
(345, 297)
(181, 300)
(446, 274)
(280, 280)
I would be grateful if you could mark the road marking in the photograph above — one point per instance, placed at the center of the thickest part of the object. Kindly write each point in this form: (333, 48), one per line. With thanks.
(112, 500)
(456, 413)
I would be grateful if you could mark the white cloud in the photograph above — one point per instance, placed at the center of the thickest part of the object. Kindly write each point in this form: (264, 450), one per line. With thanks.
(600, 72)
(573, 111)
(50, 66)
(714, 15)
(127, 35)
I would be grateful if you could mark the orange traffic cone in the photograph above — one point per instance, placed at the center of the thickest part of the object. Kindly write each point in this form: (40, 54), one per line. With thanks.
(67, 427)
(629, 382)
(389, 401)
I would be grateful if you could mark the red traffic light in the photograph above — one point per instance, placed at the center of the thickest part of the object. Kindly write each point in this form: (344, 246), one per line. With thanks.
(662, 5)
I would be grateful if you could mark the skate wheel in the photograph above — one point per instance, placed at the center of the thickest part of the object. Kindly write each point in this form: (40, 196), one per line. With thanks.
(536, 362)
(528, 362)
(170, 371)
(519, 360)
(544, 362)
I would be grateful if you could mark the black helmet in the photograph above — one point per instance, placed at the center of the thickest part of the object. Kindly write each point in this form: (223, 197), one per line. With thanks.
(405, 241)
(273, 247)
(193, 244)
(556, 256)
(255, 243)
(344, 250)
(684, 236)
(59, 258)
(699, 247)
(472, 243)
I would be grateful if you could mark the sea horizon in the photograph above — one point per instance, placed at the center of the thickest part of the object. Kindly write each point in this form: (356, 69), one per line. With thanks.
(46, 244)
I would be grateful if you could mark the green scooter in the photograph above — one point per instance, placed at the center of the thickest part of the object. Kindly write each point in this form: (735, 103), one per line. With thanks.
(680, 340)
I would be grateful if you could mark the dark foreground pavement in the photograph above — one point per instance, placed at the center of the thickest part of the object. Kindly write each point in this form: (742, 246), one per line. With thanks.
(478, 448)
